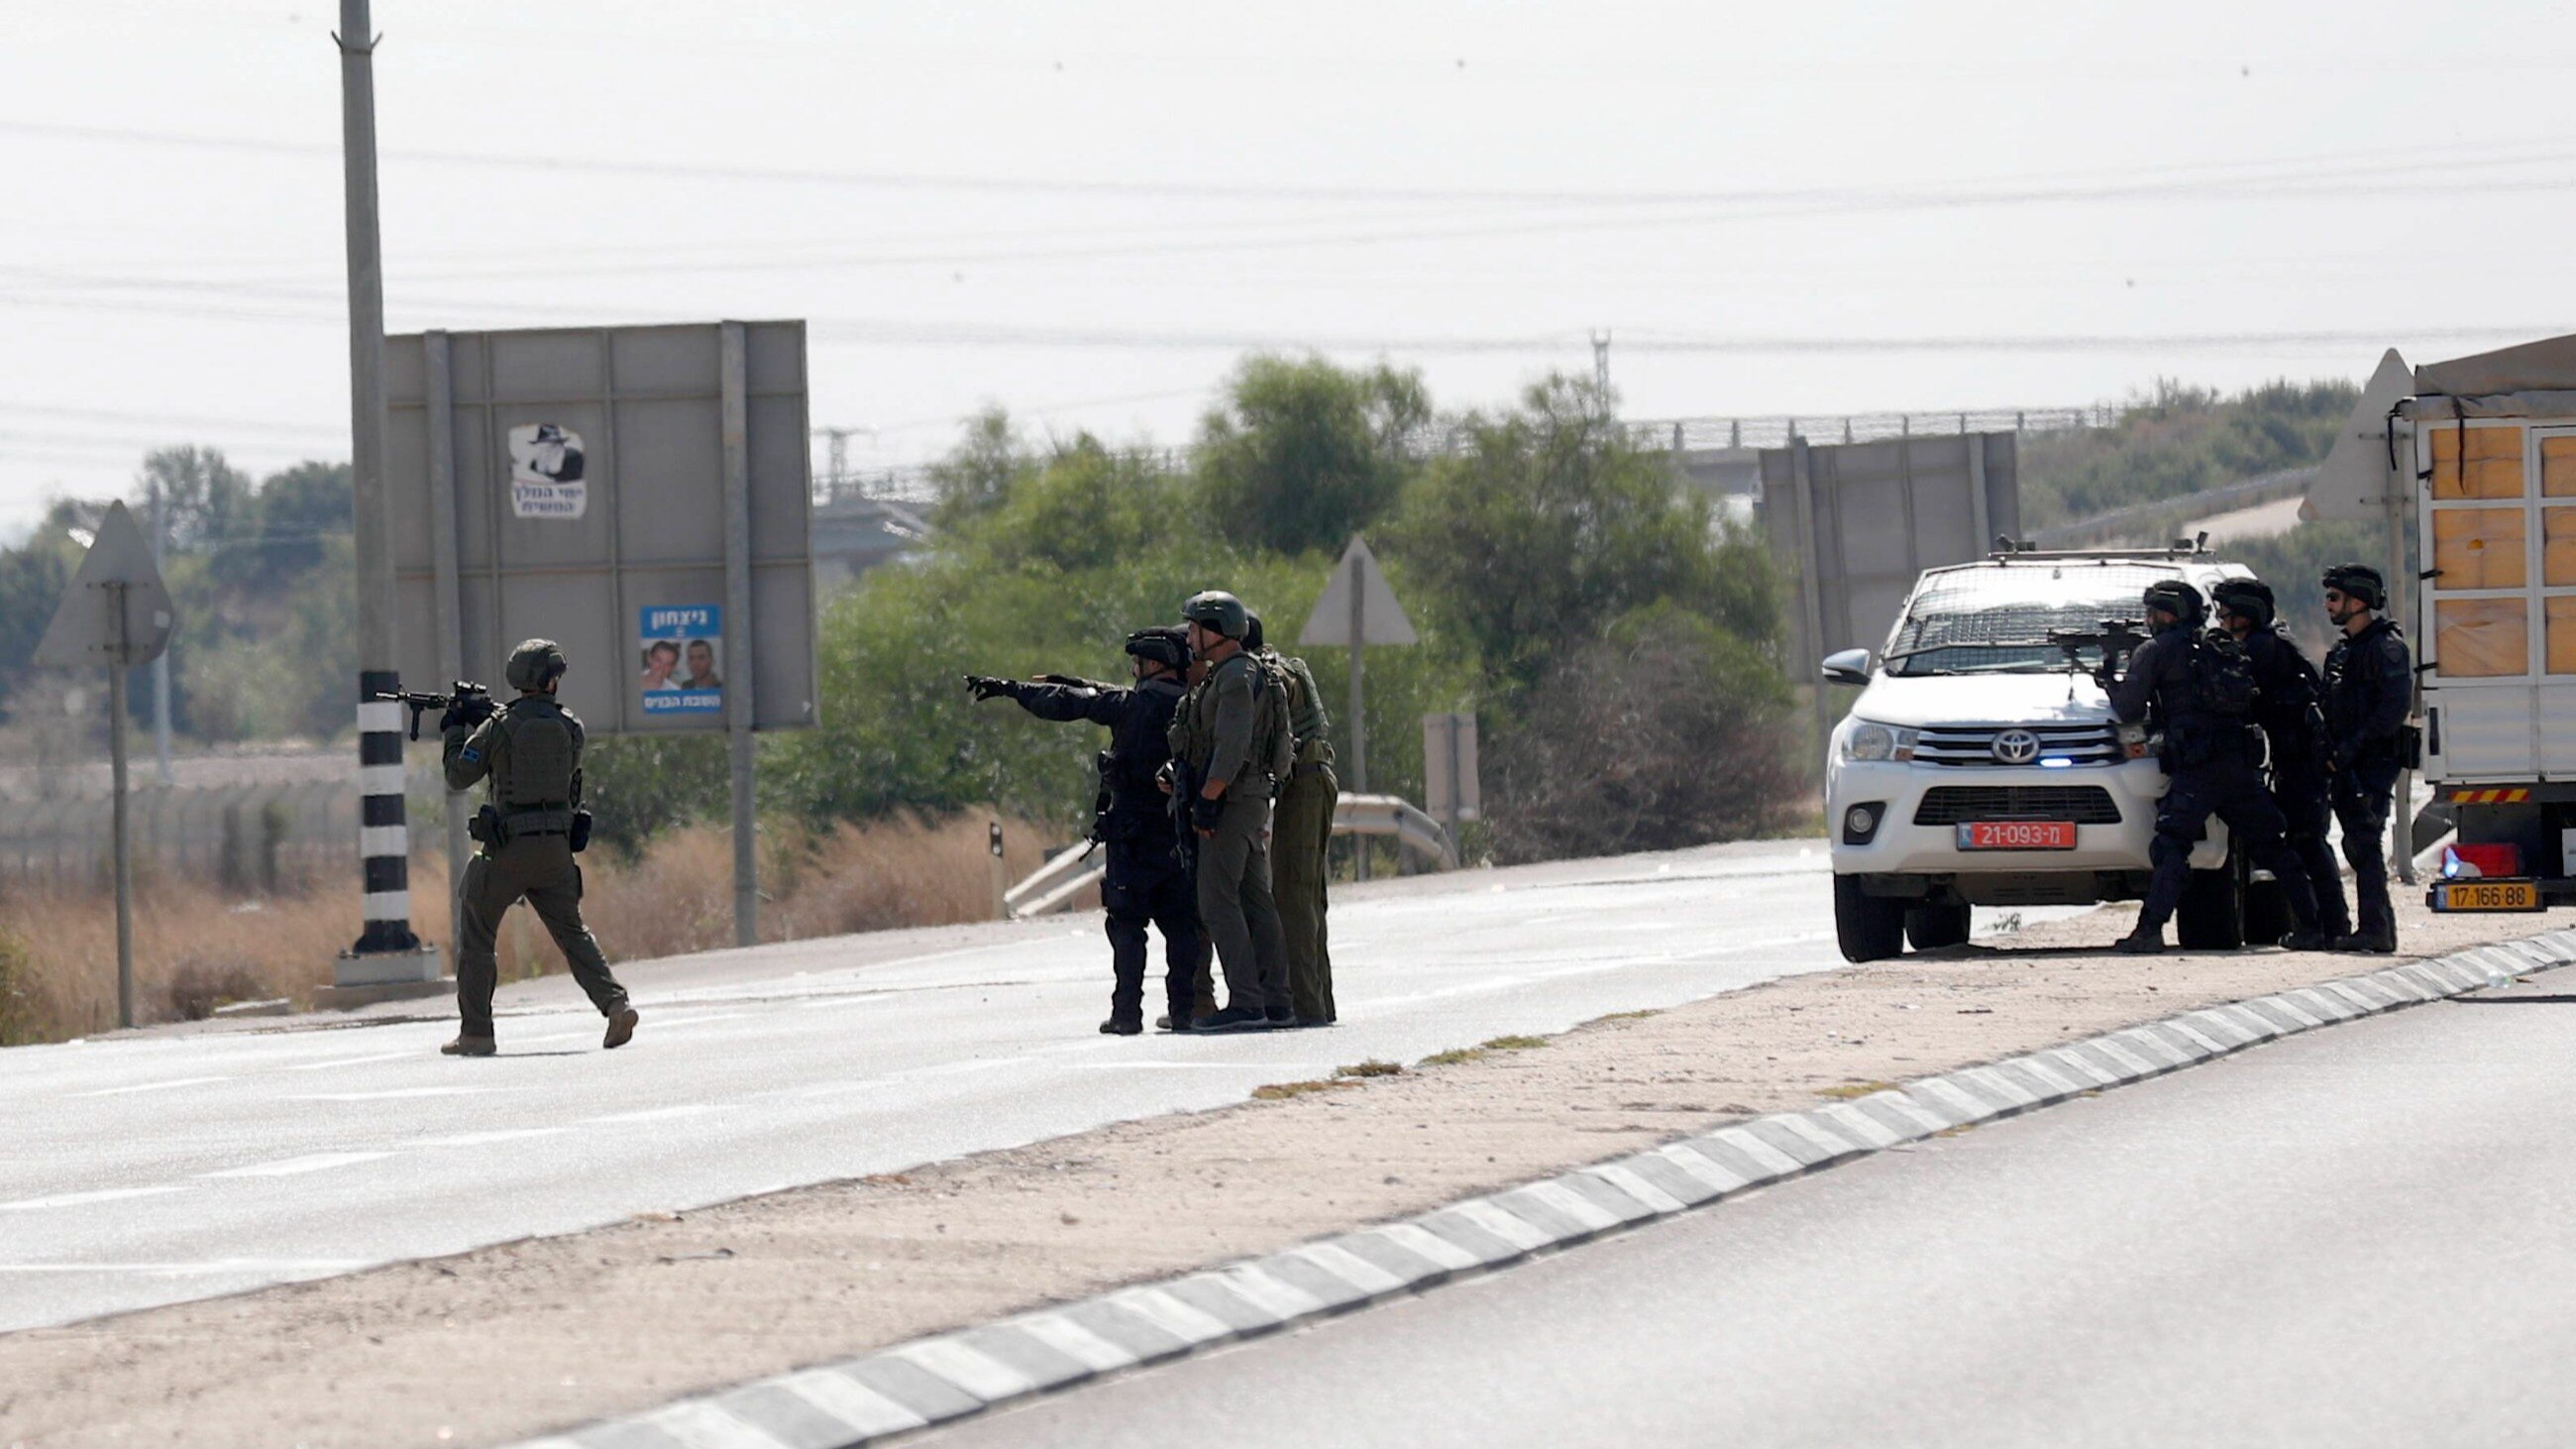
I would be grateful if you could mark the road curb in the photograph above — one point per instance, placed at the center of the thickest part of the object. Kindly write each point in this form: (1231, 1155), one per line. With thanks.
(951, 1375)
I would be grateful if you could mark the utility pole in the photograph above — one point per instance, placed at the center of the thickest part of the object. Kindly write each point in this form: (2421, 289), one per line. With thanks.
(160, 662)
(384, 840)
(1601, 368)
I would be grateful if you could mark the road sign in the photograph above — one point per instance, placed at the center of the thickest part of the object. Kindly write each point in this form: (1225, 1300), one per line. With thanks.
(117, 611)
(2357, 476)
(1358, 600)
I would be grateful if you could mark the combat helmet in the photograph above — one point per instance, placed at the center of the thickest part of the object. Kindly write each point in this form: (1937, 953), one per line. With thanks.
(2176, 598)
(1163, 644)
(2358, 581)
(1217, 610)
(535, 664)
(2248, 599)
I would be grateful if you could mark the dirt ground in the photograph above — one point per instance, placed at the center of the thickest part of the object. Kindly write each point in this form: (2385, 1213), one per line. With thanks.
(514, 1340)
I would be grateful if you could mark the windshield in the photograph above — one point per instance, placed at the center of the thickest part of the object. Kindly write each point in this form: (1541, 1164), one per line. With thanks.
(1995, 619)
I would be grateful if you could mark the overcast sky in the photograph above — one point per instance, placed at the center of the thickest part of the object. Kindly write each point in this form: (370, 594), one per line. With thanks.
(1086, 210)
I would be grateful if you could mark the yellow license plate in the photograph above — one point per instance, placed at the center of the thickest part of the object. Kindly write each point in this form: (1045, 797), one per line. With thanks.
(2490, 895)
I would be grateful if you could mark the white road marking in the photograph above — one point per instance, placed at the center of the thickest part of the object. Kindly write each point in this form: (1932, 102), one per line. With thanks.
(83, 1199)
(391, 1094)
(652, 1114)
(352, 1061)
(153, 1087)
(486, 1139)
(262, 1266)
(296, 1166)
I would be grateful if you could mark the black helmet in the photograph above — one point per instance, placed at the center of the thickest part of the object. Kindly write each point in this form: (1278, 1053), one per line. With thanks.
(1251, 631)
(2176, 598)
(2248, 599)
(1218, 610)
(535, 664)
(2358, 581)
(1163, 644)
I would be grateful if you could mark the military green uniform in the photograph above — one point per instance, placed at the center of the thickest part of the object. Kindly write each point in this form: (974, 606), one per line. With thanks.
(1301, 832)
(529, 756)
(1233, 728)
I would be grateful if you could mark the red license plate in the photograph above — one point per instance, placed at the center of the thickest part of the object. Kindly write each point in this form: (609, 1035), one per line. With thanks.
(2016, 835)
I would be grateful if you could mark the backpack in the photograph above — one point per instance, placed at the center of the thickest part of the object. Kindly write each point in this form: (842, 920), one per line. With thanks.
(1274, 739)
(2223, 674)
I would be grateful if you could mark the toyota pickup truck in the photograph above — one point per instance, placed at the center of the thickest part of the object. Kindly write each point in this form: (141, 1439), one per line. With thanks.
(1981, 766)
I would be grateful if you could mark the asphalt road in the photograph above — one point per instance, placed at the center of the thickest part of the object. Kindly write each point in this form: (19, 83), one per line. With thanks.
(155, 1168)
(2356, 1237)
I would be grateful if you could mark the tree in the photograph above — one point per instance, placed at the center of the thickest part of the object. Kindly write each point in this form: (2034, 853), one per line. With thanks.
(1666, 731)
(1551, 523)
(203, 498)
(978, 473)
(1303, 454)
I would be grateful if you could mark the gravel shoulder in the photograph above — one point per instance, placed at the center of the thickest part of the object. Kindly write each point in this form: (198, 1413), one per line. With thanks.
(512, 1340)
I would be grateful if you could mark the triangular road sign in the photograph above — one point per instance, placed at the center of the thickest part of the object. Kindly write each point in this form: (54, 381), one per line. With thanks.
(87, 632)
(1381, 619)
(2354, 480)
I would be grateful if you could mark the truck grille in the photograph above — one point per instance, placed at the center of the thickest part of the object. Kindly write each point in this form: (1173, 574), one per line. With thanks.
(2083, 804)
(2078, 744)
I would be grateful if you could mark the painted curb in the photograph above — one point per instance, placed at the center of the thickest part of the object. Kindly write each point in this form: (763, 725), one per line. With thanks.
(951, 1375)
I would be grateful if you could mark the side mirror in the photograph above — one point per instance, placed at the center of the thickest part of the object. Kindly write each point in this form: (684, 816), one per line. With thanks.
(1850, 666)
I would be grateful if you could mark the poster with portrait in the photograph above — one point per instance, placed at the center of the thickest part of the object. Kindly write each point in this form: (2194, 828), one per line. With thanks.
(683, 663)
(547, 464)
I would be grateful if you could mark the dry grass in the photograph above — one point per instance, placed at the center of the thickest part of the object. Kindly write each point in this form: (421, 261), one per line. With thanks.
(197, 946)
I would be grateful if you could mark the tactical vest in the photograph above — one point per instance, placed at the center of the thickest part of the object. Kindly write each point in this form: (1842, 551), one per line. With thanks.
(2223, 675)
(1306, 717)
(533, 789)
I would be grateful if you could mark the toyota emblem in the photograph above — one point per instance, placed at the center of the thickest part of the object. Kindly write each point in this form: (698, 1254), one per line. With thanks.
(2016, 747)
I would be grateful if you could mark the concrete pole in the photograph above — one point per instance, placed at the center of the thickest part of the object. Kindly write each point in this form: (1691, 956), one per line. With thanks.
(734, 360)
(1359, 712)
(385, 850)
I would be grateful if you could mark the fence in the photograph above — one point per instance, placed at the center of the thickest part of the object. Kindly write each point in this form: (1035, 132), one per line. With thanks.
(911, 482)
(250, 836)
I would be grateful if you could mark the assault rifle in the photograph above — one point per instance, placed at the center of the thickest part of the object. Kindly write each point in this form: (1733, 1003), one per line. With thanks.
(465, 696)
(2116, 638)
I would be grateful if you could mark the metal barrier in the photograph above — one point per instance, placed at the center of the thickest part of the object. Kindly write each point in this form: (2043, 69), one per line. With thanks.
(196, 830)
(1052, 886)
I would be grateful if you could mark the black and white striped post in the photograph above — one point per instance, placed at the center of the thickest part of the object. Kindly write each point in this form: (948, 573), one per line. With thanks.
(387, 959)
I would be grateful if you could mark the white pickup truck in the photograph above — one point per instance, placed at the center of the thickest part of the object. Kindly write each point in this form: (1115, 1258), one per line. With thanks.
(1981, 766)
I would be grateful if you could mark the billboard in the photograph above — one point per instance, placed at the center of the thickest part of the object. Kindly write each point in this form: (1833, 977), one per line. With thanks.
(638, 494)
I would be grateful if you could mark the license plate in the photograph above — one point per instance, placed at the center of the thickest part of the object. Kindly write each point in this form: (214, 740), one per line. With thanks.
(2488, 895)
(2016, 835)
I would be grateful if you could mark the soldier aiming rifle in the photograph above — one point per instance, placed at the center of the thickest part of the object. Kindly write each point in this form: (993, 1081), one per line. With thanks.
(460, 699)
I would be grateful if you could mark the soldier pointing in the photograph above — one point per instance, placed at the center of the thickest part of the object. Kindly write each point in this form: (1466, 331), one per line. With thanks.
(528, 756)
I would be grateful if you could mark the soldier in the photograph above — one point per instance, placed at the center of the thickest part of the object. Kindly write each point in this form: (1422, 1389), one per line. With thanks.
(2294, 723)
(1232, 739)
(530, 827)
(1143, 880)
(2202, 691)
(1301, 835)
(2370, 686)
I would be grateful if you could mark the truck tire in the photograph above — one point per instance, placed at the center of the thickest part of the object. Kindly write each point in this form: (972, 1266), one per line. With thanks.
(1934, 925)
(1867, 927)
(2212, 914)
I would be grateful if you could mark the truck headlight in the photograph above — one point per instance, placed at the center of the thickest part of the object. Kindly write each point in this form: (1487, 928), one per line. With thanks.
(1868, 741)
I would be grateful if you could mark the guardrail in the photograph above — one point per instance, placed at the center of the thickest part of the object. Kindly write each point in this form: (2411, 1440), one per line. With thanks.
(250, 836)
(1053, 886)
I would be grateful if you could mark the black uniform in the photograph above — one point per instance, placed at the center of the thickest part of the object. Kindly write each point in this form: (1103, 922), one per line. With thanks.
(2369, 687)
(2293, 721)
(1144, 879)
(2212, 761)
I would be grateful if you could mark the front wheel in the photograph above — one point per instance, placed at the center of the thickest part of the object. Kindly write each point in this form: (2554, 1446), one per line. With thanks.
(2212, 914)
(1868, 927)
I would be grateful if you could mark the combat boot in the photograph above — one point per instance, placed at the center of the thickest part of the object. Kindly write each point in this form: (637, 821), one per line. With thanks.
(470, 1046)
(2146, 940)
(2377, 935)
(1121, 1026)
(621, 1028)
(2306, 938)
